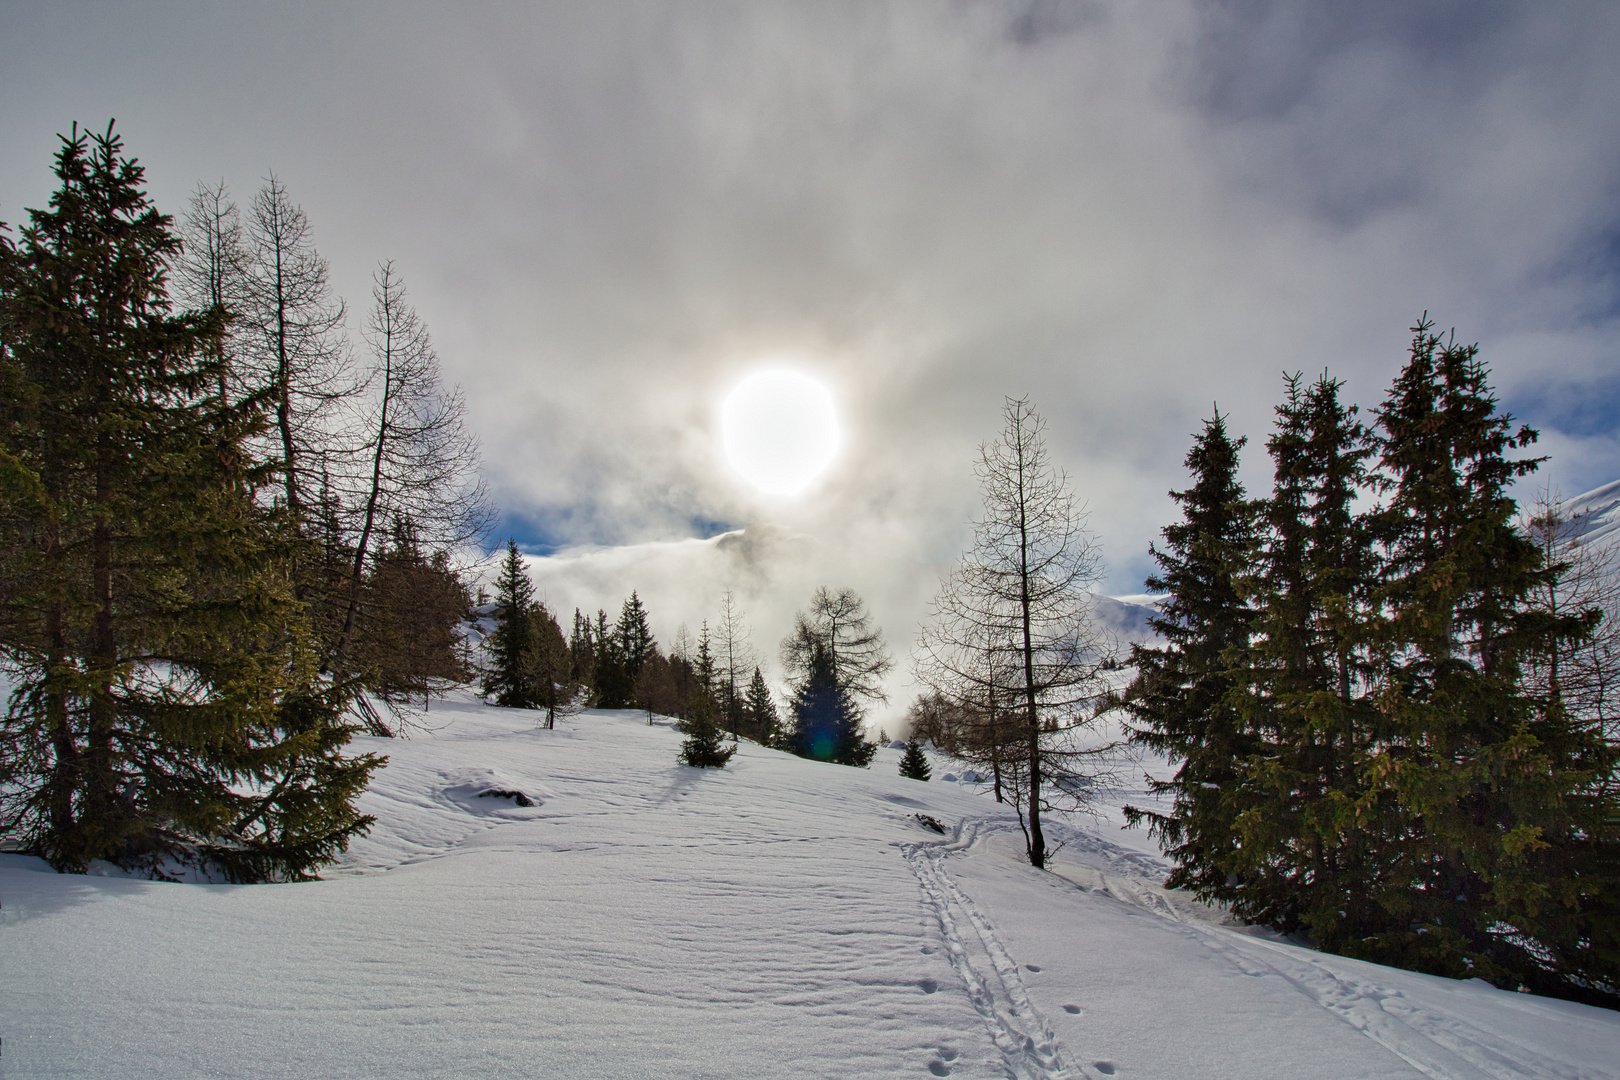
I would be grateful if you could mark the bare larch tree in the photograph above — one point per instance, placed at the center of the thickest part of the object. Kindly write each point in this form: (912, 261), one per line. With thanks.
(838, 622)
(212, 270)
(734, 655)
(421, 461)
(297, 346)
(1583, 675)
(1011, 636)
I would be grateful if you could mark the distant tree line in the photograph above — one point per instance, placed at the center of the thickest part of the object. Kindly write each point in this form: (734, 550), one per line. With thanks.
(1388, 694)
(833, 661)
(220, 523)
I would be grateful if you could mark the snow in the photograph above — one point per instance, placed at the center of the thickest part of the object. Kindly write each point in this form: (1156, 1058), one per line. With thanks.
(778, 918)
(1126, 617)
(1596, 514)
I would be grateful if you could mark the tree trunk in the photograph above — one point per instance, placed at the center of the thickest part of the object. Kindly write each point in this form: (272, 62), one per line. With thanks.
(100, 783)
(65, 778)
(1037, 839)
(372, 500)
(289, 451)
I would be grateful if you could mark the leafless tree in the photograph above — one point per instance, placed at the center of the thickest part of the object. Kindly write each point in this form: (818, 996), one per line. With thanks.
(296, 342)
(1011, 637)
(421, 461)
(734, 656)
(212, 271)
(1583, 675)
(973, 715)
(839, 623)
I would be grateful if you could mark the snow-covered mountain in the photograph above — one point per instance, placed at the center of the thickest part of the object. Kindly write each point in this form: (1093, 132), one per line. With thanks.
(1126, 617)
(778, 918)
(1595, 515)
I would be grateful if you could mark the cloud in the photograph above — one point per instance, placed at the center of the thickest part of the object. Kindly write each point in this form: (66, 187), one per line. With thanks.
(771, 573)
(609, 213)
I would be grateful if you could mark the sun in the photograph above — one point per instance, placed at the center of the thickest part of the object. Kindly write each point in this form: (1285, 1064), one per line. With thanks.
(780, 430)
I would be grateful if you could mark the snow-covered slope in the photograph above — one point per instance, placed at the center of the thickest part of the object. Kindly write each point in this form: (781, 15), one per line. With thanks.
(779, 918)
(1596, 514)
(1126, 617)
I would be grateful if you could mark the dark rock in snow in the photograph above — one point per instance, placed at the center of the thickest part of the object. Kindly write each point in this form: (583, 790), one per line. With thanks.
(516, 796)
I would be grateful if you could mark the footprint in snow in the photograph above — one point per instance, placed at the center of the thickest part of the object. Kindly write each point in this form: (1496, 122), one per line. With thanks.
(1072, 1010)
(1104, 1067)
(928, 986)
(939, 1068)
(1032, 967)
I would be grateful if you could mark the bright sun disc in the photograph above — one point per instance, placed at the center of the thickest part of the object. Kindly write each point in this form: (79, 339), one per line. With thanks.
(780, 430)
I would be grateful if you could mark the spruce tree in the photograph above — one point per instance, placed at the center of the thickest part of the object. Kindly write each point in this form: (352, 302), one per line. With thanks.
(1301, 860)
(760, 708)
(510, 646)
(1492, 813)
(705, 744)
(826, 723)
(608, 675)
(167, 709)
(409, 640)
(635, 640)
(914, 766)
(1181, 698)
(581, 651)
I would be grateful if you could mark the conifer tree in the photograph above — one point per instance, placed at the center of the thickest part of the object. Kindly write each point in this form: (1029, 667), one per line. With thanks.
(548, 670)
(763, 720)
(735, 656)
(409, 641)
(1301, 859)
(914, 766)
(509, 681)
(838, 624)
(1181, 698)
(659, 688)
(1497, 854)
(835, 658)
(703, 665)
(420, 461)
(826, 721)
(635, 639)
(212, 271)
(295, 344)
(1011, 636)
(581, 651)
(705, 744)
(167, 709)
(608, 676)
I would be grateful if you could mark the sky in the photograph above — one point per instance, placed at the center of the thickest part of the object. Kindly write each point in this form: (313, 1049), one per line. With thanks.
(608, 214)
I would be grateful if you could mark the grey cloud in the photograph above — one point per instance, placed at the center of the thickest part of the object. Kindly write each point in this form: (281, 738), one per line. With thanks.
(608, 212)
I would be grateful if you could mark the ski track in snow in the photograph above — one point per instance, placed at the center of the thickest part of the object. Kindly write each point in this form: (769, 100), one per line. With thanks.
(1437, 1043)
(1026, 1041)
(642, 919)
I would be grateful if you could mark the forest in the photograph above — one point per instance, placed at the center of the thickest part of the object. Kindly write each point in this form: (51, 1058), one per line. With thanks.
(232, 538)
(231, 533)
(1388, 693)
